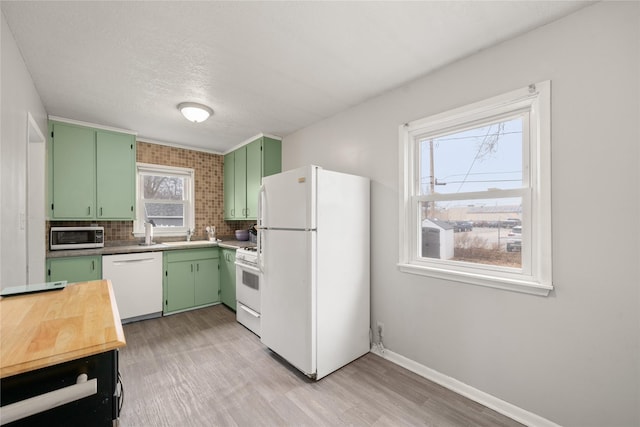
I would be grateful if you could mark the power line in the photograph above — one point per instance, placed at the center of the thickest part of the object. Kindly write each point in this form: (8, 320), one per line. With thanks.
(479, 153)
(469, 137)
(467, 181)
(424, 178)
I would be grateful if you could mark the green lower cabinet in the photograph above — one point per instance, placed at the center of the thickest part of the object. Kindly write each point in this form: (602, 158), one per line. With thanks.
(191, 278)
(74, 269)
(207, 281)
(180, 291)
(228, 278)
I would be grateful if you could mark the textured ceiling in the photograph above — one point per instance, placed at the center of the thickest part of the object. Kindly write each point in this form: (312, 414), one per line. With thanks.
(270, 67)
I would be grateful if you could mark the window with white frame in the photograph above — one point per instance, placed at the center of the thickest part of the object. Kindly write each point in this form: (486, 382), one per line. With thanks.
(165, 198)
(475, 193)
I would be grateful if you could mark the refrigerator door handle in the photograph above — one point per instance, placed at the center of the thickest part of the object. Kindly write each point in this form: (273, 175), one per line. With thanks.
(259, 260)
(261, 194)
(261, 199)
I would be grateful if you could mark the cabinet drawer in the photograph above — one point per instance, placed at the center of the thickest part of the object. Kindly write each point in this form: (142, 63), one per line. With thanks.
(191, 254)
(249, 318)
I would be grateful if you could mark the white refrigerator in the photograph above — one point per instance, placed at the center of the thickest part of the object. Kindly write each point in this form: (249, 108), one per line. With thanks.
(313, 252)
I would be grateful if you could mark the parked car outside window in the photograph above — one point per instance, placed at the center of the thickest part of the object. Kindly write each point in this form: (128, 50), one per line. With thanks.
(514, 244)
(459, 226)
(516, 231)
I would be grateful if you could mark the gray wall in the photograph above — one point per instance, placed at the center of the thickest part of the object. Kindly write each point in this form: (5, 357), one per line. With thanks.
(18, 97)
(572, 357)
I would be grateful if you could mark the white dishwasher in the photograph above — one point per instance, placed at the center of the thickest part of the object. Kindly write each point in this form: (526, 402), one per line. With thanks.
(137, 284)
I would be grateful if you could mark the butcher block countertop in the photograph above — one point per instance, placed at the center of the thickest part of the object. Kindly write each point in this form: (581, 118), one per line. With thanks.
(47, 328)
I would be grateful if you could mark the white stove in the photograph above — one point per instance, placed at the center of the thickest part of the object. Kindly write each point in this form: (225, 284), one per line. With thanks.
(248, 256)
(248, 289)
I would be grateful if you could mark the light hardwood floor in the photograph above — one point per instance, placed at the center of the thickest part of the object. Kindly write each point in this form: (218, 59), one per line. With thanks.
(202, 368)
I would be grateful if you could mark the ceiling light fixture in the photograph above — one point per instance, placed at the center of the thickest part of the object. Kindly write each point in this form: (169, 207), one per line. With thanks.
(195, 112)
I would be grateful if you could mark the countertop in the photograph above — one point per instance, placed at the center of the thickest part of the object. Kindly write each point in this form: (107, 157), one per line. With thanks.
(113, 248)
(47, 328)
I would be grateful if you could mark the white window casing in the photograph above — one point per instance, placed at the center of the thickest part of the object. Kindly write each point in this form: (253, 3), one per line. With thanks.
(533, 104)
(188, 200)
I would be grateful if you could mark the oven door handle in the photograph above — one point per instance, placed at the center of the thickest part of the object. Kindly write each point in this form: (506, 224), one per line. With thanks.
(248, 267)
(53, 399)
(248, 310)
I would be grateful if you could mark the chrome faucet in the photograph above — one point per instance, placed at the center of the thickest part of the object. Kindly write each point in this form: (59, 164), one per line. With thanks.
(189, 233)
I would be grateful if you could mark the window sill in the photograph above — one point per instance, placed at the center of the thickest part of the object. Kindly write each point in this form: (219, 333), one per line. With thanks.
(515, 285)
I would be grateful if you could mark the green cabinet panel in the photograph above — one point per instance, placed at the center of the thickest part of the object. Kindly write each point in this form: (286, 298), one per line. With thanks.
(207, 281)
(91, 173)
(73, 169)
(240, 184)
(271, 156)
(180, 291)
(116, 175)
(74, 269)
(254, 177)
(228, 278)
(191, 278)
(261, 157)
(228, 183)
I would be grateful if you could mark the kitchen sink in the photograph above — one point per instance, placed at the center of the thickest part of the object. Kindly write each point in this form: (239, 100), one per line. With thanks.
(152, 246)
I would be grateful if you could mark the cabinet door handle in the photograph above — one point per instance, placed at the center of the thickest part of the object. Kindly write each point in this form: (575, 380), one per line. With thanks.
(192, 268)
(233, 212)
(88, 210)
(198, 267)
(93, 264)
(100, 210)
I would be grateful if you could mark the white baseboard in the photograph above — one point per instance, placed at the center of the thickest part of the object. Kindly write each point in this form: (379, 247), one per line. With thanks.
(505, 408)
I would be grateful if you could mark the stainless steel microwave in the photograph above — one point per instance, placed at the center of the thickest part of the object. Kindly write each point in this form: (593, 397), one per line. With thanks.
(76, 238)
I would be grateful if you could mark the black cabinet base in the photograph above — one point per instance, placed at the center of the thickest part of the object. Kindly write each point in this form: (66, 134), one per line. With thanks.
(100, 409)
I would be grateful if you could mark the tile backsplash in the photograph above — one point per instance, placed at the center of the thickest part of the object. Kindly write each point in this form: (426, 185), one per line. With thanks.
(209, 203)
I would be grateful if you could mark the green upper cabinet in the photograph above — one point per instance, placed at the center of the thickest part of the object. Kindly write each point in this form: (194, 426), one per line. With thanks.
(73, 171)
(91, 173)
(261, 157)
(240, 183)
(115, 175)
(229, 193)
(254, 177)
